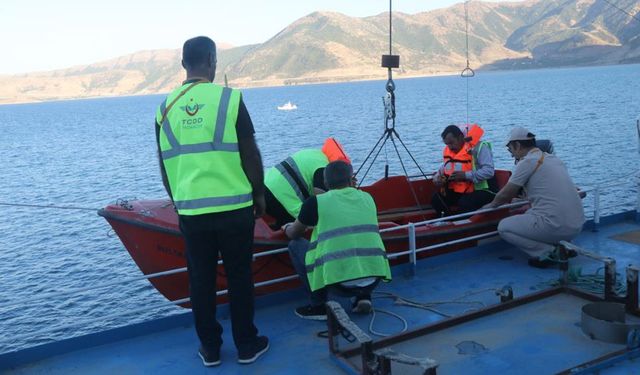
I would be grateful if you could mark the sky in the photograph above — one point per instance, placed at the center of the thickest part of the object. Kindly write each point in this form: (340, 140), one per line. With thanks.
(41, 35)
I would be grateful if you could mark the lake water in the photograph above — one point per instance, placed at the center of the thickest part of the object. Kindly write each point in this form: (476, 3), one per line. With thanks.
(88, 153)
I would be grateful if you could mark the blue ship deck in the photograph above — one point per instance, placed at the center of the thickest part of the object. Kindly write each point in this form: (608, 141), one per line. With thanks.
(168, 345)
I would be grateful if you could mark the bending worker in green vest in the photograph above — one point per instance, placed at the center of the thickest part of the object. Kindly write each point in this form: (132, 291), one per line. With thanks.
(346, 255)
(212, 170)
(290, 182)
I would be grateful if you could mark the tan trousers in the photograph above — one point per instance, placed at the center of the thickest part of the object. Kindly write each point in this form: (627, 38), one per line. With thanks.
(533, 235)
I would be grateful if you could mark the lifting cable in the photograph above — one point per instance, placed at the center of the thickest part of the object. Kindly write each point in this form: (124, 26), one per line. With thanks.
(389, 100)
(467, 72)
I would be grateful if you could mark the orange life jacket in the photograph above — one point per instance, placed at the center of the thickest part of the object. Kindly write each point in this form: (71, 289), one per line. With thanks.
(462, 160)
(334, 151)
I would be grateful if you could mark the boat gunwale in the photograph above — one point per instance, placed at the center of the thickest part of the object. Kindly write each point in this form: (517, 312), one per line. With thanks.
(422, 232)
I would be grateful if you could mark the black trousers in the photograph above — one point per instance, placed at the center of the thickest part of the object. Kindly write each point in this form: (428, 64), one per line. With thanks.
(276, 210)
(465, 202)
(230, 234)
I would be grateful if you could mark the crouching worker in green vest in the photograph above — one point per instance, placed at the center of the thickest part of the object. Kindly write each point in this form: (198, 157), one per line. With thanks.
(346, 255)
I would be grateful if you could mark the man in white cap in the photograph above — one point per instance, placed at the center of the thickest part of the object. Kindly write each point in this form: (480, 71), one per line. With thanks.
(556, 212)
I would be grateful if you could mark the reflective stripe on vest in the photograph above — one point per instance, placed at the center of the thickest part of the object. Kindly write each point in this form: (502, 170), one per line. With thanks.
(345, 244)
(459, 162)
(211, 202)
(215, 145)
(204, 176)
(344, 254)
(295, 180)
(365, 228)
(291, 181)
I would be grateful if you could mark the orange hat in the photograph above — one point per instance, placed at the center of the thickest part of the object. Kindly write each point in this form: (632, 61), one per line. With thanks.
(333, 150)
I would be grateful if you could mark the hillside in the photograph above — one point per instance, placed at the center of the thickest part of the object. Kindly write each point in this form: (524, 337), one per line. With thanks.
(327, 47)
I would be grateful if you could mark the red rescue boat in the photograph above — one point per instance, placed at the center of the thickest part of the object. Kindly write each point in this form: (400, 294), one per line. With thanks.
(149, 231)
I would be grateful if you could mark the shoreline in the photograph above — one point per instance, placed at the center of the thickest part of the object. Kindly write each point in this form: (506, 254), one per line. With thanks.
(4, 101)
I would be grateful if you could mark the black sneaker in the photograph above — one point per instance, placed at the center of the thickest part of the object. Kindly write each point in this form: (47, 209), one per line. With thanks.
(361, 306)
(552, 259)
(260, 347)
(311, 312)
(541, 263)
(209, 357)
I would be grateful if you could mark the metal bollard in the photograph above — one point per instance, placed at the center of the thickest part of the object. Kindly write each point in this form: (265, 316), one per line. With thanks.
(412, 246)
(596, 209)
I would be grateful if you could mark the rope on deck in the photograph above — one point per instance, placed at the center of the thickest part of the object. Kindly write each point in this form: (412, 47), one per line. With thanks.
(430, 306)
(591, 282)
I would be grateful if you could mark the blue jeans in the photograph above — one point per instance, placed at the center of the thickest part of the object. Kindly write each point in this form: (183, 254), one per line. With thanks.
(297, 251)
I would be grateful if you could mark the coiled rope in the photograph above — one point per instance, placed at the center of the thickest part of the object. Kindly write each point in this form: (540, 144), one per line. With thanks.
(430, 306)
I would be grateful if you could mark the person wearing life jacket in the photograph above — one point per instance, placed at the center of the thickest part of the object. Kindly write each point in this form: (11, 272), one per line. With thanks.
(290, 182)
(346, 255)
(212, 171)
(466, 177)
(556, 212)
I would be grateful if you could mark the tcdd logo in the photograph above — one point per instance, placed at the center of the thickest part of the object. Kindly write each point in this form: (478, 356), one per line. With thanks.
(192, 108)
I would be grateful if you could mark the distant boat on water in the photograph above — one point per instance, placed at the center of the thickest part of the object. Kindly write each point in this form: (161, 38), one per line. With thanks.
(288, 106)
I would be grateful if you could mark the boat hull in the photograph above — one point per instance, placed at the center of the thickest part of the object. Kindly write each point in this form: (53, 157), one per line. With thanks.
(150, 233)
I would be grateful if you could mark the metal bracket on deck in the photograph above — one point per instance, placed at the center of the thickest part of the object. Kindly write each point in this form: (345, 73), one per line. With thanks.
(386, 356)
(630, 299)
(373, 362)
(505, 294)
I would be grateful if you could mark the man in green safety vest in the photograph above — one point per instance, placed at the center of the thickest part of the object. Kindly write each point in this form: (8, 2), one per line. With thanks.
(290, 182)
(346, 255)
(212, 170)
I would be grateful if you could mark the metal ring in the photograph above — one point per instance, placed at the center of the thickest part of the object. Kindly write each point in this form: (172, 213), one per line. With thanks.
(467, 73)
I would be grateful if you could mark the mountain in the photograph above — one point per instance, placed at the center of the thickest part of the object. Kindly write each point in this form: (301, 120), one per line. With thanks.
(328, 47)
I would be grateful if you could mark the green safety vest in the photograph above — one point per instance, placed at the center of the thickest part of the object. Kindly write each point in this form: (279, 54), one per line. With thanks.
(346, 243)
(199, 149)
(291, 181)
(482, 185)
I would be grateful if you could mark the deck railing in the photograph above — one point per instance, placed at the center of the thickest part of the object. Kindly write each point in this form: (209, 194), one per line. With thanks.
(596, 193)
(411, 253)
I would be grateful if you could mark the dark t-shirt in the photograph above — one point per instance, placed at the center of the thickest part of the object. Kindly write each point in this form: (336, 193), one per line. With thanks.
(318, 179)
(309, 212)
(244, 125)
